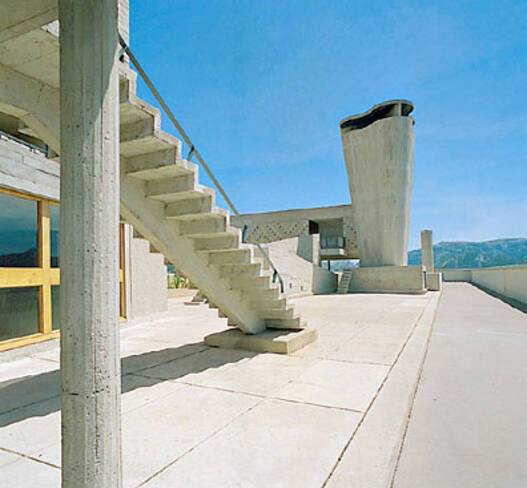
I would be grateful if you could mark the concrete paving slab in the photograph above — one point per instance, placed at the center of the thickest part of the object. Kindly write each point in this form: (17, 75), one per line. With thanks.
(7, 458)
(176, 377)
(370, 458)
(159, 432)
(194, 364)
(321, 348)
(30, 429)
(264, 374)
(368, 351)
(182, 421)
(337, 384)
(24, 473)
(23, 368)
(38, 380)
(139, 391)
(469, 421)
(276, 444)
(143, 355)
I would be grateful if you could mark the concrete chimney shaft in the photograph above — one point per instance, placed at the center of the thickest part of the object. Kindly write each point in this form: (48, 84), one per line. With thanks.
(379, 153)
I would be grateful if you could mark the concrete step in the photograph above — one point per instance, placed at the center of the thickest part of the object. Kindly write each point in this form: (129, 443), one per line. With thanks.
(240, 269)
(177, 189)
(183, 209)
(159, 164)
(294, 323)
(252, 282)
(229, 256)
(210, 225)
(278, 313)
(225, 240)
(261, 294)
(263, 304)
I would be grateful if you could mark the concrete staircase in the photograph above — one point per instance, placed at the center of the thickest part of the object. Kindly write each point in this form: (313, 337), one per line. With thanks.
(344, 282)
(162, 198)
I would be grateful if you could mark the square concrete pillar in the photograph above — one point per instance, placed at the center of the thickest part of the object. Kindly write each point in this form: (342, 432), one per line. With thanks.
(427, 250)
(89, 244)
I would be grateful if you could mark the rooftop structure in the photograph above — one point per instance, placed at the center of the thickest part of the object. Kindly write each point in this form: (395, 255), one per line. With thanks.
(96, 198)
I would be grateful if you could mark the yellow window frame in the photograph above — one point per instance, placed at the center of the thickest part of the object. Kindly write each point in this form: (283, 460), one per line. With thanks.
(44, 276)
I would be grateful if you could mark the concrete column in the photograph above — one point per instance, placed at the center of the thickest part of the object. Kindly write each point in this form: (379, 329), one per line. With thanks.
(308, 247)
(379, 148)
(427, 251)
(89, 243)
(124, 19)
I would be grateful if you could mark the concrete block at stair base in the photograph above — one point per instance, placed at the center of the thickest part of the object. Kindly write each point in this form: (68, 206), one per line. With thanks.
(434, 281)
(388, 279)
(275, 341)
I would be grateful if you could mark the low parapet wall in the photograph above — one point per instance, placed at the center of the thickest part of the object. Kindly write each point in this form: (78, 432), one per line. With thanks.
(456, 274)
(507, 281)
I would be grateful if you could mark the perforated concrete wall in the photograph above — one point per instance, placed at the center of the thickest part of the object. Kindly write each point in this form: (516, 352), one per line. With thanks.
(275, 231)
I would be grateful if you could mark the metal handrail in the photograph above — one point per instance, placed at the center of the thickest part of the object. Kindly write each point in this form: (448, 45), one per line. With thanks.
(192, 148)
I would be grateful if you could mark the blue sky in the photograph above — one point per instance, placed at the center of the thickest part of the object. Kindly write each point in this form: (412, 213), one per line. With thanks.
(261, 85)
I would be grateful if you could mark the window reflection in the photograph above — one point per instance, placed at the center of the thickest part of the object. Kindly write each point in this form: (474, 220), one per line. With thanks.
(55, 307)
(54, 211)
(18, 312)
(18, 232)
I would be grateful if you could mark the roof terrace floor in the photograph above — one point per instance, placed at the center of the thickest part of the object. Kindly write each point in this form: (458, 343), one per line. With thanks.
(332, 414)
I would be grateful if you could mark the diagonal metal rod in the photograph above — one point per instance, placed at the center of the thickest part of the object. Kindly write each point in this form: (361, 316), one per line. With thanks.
(193, 150)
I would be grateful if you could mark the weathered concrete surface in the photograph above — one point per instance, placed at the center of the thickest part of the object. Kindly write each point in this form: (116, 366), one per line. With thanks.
(469, 421)
(276, 341)
(433, 281)
(301, 276)
(25, 170)
(370, 459)
(510, 282)
(379, 156)
(19, 18)
(192, 414)
(333, 221)
(89, 245)
(427, 250)
(457, 274)
(148, 280)
(388, 279)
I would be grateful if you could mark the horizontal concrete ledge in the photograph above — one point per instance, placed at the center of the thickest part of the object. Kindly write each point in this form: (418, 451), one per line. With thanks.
(275, 341)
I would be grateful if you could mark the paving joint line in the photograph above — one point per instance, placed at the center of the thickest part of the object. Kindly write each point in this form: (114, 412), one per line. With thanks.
(203, 441)
(27, 456)
(414, 393)
(348, 443)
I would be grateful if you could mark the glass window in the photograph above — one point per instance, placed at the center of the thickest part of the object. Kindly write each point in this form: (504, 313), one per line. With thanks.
(54, 211)
(18, 312)
(55, 307)
(18, 232)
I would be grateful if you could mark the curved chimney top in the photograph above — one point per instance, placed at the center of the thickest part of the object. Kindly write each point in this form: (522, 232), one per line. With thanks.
(390, 108)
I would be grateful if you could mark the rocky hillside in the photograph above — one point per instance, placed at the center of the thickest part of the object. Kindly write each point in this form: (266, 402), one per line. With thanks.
(500, 252)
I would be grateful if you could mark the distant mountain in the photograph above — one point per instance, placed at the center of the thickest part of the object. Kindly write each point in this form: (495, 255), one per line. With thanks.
(25, 259)
(500, 252)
